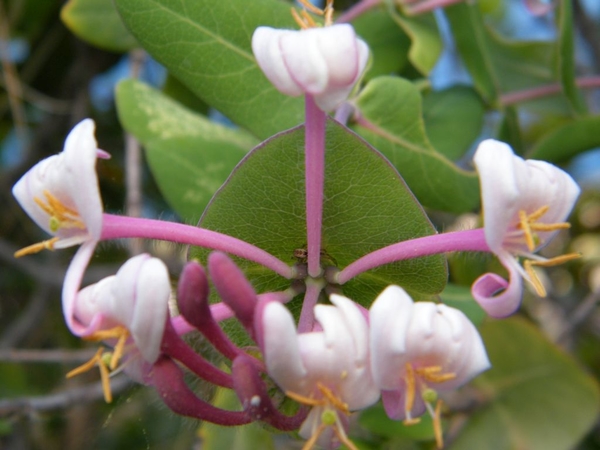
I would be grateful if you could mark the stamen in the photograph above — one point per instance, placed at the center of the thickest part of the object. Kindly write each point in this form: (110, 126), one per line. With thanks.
(120, 333)
(312, 8)
(550, 226)
(534, 278)
(344, 438)
(333, 400)
(308, 20)
(410, 394)
(524, 225)
(437, 425)
(433, 375)
(538, 213)
(298, 19)
(315, 436)
(60, 214)
(305, 400)
(328, 13)
(35, 248)
(96, 360)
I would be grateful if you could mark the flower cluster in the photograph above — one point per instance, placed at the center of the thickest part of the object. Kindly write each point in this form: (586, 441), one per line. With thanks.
(339, 357)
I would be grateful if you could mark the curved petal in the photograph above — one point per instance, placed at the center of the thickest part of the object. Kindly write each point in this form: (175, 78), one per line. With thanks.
(280, 347)
(80, 171)
(266, 49)
(71, 287)
(498, 297)
(389, 317)
(500, 193)
(153, 289)
(304, 61)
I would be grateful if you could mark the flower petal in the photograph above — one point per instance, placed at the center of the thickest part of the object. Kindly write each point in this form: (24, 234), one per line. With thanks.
(498, 297)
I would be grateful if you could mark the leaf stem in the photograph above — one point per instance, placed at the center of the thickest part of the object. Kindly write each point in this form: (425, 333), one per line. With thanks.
(357, 10)
(314, 158)
(542, 91)
(307, 315)
(458, 241)
(117, 227)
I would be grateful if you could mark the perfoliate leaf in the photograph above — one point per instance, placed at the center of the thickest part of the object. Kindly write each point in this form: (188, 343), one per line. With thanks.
(189, 155)
(97, 22)
(367, 206)
(206, 45)
(390, 110)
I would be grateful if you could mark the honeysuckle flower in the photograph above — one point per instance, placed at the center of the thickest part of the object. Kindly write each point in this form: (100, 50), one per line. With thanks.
(325, 62)
(129, 310)
(327, 370)
(61, 194)
(525, 203)
(420, 349)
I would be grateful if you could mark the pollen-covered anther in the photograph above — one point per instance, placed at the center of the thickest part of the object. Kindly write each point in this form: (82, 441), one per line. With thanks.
(533, 276)
(433, 374)
(36, 248)
(528, 223)
(61, 216)
(99, 359)
(120, 333)
(305, 21)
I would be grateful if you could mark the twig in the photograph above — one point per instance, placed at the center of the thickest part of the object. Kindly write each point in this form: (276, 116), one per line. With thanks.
(133, 163)
(40, 100)
(589, 31)
(31, 406)
(20, 328)
(581, 313)
(46, 356)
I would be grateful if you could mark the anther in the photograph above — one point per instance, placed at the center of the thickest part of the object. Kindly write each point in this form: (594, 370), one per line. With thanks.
(36, 248)
(96, 360)
(533, 276)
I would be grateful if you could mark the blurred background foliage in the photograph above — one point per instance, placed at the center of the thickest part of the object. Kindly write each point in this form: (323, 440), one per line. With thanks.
(61, 62)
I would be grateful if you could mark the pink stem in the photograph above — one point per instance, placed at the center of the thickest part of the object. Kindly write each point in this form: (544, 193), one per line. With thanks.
(458, 241)
(427, 6)
(543, 91)
(315, 182)
(357, 10)
(117, 227)
(307, 315)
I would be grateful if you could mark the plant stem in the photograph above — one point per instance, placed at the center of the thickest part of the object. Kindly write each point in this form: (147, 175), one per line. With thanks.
(542, 91)
(468, 240)
(357, 10)
(117, 227)
(307, 315)
(315, 181)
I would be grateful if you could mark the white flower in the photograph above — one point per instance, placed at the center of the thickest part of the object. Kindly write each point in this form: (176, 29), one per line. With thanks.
(323, 62)
(129, 309)
(525, 203)
(328, 370)
(419, 349)
(61, 194)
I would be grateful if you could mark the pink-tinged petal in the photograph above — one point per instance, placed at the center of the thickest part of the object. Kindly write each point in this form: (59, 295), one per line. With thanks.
(324, 62)
(81, 152)
(355, 321)
(70, 177)
(500, 193)
(510, 184)
(280, 347)
(125, 289)
(498, 297)
(266, 49)
(91, 302)
(153, 290)
(394, 403)
(304, 61)
(389, 318)
(71, 287)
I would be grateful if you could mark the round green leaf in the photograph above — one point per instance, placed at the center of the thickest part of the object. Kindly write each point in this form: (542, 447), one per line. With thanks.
(367, 206)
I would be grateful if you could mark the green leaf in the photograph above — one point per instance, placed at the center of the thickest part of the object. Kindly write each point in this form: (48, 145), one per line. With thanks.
(189, 155)
(206, 45)
(568, 140)
(499, 65)
(539, 398)
(565, 56)
(367, 206)
(426, 42)
(97, 22)
(391, 121)
(453, 120)
(376, 421)
(388, 43)
(244, 437)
